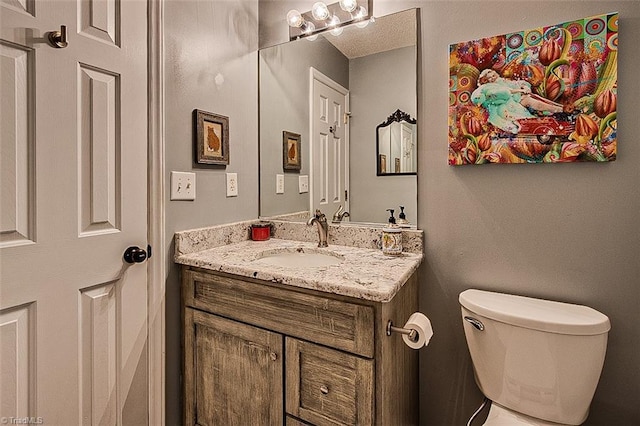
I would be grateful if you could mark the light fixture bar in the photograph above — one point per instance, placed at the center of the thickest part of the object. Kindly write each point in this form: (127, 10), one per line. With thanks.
(345, 18)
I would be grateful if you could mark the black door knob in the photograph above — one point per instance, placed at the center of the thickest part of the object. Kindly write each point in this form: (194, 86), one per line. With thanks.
(135, 254)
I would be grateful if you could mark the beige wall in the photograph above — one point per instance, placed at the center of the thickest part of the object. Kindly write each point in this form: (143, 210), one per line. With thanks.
(395, 84)
(211, 63)
(566, 231)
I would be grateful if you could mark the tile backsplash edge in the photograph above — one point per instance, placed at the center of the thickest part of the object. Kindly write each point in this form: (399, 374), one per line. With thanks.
(195, 240)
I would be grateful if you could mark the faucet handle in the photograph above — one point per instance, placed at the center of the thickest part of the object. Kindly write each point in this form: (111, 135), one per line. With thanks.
(337, 215)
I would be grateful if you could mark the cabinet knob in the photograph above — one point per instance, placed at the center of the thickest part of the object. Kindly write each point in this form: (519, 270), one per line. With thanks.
(324, 389)
(273, 356)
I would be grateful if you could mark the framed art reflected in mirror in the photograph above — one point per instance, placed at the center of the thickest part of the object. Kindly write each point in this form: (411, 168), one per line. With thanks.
(291, 151)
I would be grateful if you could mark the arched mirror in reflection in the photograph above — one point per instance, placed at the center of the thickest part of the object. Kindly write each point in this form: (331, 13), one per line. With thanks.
(396, 145)
(377, 68)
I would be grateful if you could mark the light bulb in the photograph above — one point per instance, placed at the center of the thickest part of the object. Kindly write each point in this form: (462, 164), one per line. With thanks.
(320, 11)
(360, 13)
(307, 28)
(312, 38)
(294, 18)
(333, 22)
(348, 5)
(337, 31)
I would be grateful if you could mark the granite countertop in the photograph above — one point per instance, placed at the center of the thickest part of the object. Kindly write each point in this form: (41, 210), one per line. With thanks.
(363, 273)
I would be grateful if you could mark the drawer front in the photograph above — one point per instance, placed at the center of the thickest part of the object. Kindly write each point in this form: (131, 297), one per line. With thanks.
(328, 387)
(335, 323)
(292, 421)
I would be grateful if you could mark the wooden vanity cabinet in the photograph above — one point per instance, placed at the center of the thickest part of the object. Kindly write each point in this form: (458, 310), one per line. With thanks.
(260, 353)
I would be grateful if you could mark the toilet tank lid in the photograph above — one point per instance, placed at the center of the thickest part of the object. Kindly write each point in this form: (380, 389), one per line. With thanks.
(537, 314)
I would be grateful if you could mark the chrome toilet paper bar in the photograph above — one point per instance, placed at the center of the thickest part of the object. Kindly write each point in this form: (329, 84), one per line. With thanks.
(412, 333)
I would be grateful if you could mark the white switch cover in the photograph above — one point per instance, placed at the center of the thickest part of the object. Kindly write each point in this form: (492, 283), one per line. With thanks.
(232, 184)
(279, 184)
(183, 186)
(303, 184)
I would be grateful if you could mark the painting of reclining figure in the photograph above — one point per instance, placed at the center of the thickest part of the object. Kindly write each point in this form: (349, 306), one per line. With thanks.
(545, 95)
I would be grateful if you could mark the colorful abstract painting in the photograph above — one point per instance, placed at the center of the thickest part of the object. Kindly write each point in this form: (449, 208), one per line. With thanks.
(546, 95)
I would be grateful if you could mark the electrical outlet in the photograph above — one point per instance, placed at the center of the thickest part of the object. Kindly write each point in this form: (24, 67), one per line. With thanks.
(279, 184)
(183, 186)
(303, 184)
(232, 184)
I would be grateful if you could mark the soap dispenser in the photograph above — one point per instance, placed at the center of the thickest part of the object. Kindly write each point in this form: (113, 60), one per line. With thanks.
(392, 237)
(402, 219)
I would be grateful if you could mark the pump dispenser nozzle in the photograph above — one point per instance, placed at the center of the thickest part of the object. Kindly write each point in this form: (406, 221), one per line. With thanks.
(392, 220)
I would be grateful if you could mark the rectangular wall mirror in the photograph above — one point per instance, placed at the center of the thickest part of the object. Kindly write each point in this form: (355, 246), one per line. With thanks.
(334, 92)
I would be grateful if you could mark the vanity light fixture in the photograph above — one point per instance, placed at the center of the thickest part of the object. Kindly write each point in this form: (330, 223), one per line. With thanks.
(332, 17)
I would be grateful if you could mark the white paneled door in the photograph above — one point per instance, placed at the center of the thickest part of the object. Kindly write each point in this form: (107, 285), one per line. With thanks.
(329, 125)
(73, 149)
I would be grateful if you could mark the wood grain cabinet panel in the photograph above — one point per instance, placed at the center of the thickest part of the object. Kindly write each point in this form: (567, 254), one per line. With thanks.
(336, 323)
(259, 353)
(233, 371)
(328, 387)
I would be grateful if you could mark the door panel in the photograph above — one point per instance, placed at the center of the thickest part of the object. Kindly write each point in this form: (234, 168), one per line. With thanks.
(16, 146)
(17, 360)
(74, 128)
(98, 333)
(99, 151)
(329, 145)
(99, 19)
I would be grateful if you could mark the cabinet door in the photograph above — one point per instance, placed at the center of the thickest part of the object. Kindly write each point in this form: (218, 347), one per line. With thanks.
(233, 372)
(328, 387)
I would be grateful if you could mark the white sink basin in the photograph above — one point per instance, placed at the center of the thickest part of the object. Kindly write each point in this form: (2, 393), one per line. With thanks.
(298, 258)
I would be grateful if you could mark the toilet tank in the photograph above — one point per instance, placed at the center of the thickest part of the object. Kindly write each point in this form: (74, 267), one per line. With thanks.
(537, 357)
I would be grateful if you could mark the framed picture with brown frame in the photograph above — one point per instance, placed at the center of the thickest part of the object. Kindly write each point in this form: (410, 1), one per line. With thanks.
(211, 138)
(291, 151)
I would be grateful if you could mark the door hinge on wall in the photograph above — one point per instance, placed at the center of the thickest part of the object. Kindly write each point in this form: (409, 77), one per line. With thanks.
(346, 195)
(347, 115)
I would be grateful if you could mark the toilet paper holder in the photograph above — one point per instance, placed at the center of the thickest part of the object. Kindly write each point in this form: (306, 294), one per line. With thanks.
(411, 332)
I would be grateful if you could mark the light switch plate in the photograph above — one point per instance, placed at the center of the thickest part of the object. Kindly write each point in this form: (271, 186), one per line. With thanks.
(232, 184)
(303, 184)
(279, 184)
(183, 186)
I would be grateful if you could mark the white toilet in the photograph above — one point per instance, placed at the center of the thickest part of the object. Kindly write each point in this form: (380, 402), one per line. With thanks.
(538, 361)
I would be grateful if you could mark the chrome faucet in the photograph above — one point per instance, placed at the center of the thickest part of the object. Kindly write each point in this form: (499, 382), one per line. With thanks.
(323, 227)
(339, 215)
